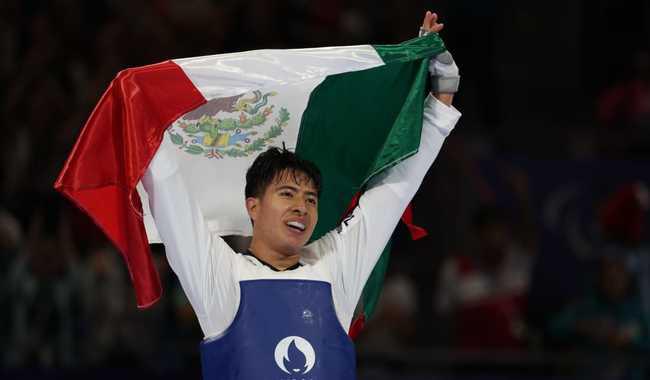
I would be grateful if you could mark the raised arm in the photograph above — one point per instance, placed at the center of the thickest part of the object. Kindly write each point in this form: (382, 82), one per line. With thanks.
(364, 234)
(444, 72)
(201, 260)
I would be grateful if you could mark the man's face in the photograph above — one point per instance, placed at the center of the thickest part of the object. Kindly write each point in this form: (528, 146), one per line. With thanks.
(284, 217)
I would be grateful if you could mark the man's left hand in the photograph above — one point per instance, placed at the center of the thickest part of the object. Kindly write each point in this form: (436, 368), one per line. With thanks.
(444, 73)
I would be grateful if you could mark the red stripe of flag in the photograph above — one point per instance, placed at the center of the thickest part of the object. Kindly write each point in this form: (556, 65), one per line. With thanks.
(112, 153)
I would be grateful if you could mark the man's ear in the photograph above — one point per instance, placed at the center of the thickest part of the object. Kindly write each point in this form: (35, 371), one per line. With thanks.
(252, 204)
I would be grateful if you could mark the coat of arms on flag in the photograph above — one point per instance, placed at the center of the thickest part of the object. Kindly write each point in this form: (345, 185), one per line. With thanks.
(235, 126)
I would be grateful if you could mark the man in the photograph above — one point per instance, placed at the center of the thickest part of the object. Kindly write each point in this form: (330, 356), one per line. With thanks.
(282, 309)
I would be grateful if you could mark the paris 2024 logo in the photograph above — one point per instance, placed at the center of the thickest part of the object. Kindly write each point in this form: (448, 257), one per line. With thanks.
(294, 355)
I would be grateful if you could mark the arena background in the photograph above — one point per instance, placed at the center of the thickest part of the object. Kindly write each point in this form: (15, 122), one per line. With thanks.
(536, 265)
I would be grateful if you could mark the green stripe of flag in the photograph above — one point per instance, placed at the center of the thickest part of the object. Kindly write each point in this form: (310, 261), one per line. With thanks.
(390, 99)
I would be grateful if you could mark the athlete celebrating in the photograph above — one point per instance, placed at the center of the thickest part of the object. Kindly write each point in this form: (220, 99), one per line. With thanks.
(282, 309)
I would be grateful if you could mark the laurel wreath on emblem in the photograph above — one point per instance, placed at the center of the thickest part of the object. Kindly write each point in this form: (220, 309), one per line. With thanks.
(201, 132)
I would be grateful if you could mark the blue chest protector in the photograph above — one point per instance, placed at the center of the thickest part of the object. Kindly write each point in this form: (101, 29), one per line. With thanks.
(283, 330)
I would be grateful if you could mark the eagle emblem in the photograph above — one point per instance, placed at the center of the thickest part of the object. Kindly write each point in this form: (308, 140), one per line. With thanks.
(235, 126)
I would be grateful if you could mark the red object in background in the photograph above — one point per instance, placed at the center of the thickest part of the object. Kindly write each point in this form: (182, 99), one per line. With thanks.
(112, 152)
(489, 305)
(495, 322)
(622, 213)
(626, 103)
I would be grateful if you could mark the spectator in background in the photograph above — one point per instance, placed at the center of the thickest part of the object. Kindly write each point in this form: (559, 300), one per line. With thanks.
(105, 299)
(393, 325)
(609, 317)
(10, 243)
(612, 317)
(624, 109)
(44, 284)
(627, 104)
(484, 294)
(10, 239)
(622, 220)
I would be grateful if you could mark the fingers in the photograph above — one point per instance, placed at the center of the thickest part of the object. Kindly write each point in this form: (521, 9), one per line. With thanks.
(427, 20)
(434, 25)
(433, 20)
(430, 23)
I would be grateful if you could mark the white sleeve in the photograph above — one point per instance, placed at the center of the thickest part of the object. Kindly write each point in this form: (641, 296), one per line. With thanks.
(202, 260)
(361, 238)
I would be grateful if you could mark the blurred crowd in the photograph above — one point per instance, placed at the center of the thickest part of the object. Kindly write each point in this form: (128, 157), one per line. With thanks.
(512, 263)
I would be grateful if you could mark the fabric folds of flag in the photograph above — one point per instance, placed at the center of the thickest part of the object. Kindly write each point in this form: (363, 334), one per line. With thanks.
(353, 110)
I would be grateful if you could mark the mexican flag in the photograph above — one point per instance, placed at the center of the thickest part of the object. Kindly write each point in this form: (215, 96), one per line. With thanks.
(353, 110)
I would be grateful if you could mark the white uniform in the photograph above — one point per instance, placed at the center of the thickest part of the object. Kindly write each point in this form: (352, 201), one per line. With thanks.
(210, 271)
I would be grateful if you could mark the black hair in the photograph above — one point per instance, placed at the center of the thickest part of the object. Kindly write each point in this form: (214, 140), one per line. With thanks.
(275, 162)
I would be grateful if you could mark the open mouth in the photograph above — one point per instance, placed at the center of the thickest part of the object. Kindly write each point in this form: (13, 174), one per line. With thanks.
(297, 226)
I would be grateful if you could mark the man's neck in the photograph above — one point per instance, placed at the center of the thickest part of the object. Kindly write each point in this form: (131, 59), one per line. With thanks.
(277, 260)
